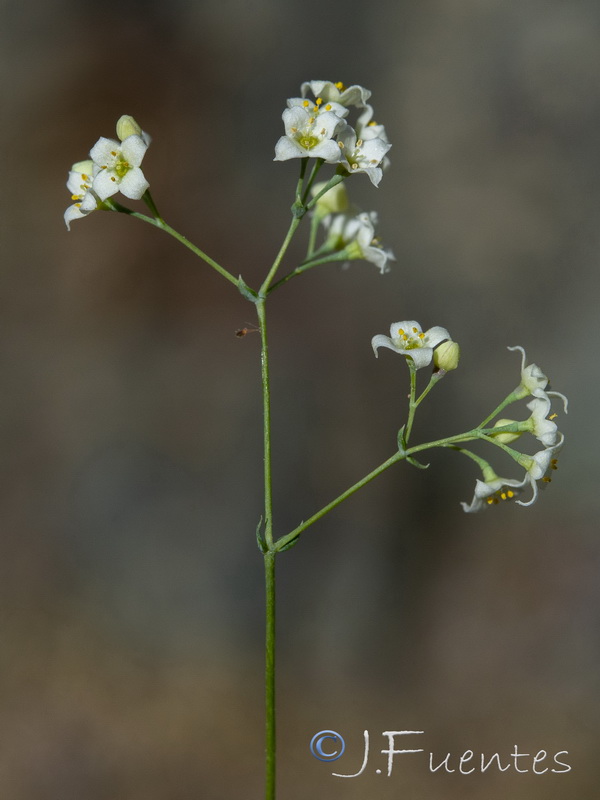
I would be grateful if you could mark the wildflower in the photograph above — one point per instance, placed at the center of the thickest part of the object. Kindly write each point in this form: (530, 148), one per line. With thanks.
(355, 237)
(308, 135)
(533, 381)
(362, 155)
(539, 423)
(540, 467)
(79, 184)
(117, 167)
(408, 339)
(493, 490)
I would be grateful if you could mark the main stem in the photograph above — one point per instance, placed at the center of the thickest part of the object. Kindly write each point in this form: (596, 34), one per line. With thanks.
(270, 730)
(269, 557)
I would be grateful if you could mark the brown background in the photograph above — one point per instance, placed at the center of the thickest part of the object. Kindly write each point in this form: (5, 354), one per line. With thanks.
(130, 585)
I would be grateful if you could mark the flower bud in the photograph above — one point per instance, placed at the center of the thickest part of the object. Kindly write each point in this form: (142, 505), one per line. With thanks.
(334, 201)
(127, 126)
(507, 436)
(446, 356)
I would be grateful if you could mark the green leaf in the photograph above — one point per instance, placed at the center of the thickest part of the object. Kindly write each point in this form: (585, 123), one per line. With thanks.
(416, 463)
(246, 291)
(262, 545)
(401, 440)
(290, 544)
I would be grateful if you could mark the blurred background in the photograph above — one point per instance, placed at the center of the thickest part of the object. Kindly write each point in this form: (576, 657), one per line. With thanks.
(131, 595)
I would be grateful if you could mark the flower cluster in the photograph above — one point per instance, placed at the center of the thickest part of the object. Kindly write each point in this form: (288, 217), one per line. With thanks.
(349, 233)
(319, 128)
(113, 166)
(539, 466)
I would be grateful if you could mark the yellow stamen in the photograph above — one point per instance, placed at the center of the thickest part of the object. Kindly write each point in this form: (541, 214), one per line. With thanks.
(339, 85)
(113, 152)
(328, 107)
(421, 336)
(359, 143)
(547, 480)
(305, 104)
(113, 179)
(319, 101)
(510, 493)
(553, 416)
(354, 166)
(76, 197)
(84, 177)
(400, 332)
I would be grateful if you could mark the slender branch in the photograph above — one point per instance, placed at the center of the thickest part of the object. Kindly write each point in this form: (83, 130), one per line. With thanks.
(286, 242)
(285, 540)
(160, 223)
(468, 436)
(306, 265)
(512, 398)
(315, 170)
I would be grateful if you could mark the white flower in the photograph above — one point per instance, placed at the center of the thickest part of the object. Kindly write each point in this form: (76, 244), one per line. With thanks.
(362, 155)
(356, 236)
(79, 184)
(308, 135)
(337, 93)
(493, 490)
(408, 339)
(540, 467)
(542, 427)
(533, 381)
(117, 167)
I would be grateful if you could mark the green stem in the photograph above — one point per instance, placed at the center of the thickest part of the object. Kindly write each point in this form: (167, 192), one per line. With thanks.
(111, 205)
(285, 540)
(412, 405)
(148, 199)
(329, 185)
(314, 227)
(270, 720)
(305, 266)
(315, 171)
(512, 398)
(303, 163)
(266, 393)
(286, 242)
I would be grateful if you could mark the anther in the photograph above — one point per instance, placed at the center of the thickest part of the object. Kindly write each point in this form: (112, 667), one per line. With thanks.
(553, 416)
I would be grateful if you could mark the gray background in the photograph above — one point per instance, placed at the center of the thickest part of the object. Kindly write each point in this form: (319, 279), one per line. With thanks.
(130, 585)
